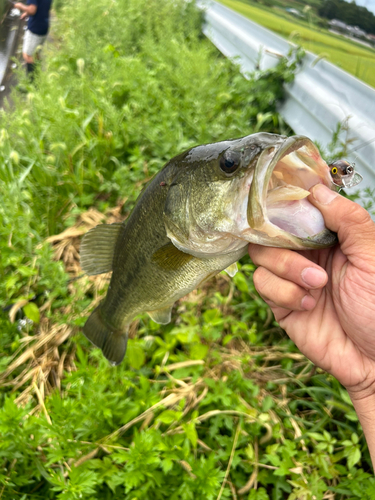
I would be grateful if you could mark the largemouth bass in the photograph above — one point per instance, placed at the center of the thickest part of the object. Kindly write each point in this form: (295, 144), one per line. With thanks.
(195, 219)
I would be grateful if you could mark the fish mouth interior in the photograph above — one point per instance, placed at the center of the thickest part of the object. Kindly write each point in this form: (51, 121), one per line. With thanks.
(294, 170)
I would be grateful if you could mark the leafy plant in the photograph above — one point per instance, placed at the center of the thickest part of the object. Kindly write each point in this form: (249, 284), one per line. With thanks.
(217, 404)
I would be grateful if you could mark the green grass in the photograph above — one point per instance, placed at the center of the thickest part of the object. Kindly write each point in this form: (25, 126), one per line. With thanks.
(217, 404)
(350, 56)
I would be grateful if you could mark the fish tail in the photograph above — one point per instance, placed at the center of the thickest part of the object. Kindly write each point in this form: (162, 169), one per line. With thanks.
(112, 342)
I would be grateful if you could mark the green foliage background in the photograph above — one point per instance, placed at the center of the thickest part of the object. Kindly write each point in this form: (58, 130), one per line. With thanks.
(218, 404)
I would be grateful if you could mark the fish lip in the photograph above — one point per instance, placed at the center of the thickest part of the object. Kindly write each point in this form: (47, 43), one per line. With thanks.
(256, 212)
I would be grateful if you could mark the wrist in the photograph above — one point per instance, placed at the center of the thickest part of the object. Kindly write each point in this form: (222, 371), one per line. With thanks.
(364, 405)
(365, 408)
(363, 394)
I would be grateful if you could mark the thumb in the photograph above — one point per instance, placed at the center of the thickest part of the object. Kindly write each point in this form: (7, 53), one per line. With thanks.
(350, 221)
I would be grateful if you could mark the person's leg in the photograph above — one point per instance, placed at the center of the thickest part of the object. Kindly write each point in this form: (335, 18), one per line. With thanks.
(30, 66)
(28, 59)
(27, 53)
(31, 46)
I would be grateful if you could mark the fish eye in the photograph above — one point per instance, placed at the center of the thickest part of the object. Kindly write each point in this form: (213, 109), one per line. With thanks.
(230, 161)
(334, 170)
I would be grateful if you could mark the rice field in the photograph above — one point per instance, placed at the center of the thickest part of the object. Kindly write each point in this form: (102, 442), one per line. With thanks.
(352, 57)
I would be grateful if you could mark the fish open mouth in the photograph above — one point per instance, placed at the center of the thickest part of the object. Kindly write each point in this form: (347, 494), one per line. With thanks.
(278, 204)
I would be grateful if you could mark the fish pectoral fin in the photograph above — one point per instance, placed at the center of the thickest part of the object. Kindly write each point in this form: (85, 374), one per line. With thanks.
(98, 247)
(111, 342)
(171, 258)
(232, 269)
(161, 316)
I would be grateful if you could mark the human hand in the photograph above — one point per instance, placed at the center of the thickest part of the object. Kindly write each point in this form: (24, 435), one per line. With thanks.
(20, 6)
(325, 299)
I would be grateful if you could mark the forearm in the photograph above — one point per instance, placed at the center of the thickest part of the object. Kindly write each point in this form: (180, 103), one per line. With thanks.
(28, 9)
(365, 408)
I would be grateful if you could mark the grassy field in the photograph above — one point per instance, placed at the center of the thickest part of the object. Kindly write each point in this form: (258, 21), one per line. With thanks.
(350, 56)
(218, 404)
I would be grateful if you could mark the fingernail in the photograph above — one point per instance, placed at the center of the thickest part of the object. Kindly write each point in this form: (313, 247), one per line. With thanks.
(308, 303)
(313, 277)
(323, 194)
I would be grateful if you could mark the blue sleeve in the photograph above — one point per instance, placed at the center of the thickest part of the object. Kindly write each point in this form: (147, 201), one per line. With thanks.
(32, 2)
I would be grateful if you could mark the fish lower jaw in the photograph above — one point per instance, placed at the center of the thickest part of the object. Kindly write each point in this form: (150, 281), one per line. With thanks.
(268, 234)
(298, 221)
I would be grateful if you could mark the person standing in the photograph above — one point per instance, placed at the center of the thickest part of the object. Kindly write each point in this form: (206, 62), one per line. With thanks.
(37, 29)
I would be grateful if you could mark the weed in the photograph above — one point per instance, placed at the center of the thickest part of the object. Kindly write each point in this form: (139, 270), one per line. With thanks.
(217, 404)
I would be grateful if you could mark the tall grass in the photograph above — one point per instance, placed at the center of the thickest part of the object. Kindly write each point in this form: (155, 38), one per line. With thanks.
(136, 96)
(217, 404)
(107, 111)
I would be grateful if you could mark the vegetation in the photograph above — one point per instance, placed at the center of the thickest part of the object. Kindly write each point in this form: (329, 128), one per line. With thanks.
(320, 10)
(4, 6)
(348, 55)
(218, 404)
(350, 13)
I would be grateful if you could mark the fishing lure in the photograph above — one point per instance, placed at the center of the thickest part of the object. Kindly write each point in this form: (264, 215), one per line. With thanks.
(344, 175)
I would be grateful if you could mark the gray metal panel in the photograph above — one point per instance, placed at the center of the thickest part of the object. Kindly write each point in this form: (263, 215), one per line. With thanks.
(321, 96)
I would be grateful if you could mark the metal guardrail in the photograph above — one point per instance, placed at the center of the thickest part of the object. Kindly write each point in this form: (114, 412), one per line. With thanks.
(9, 30)
(321, 96)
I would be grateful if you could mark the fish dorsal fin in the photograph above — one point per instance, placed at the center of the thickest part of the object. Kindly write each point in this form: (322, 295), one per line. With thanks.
(171, 258)
(98, 247)
(161, 316)
(232, 269)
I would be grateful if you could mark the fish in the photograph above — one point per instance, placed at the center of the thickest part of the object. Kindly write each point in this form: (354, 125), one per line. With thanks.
(195, 219)
(344, 175)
